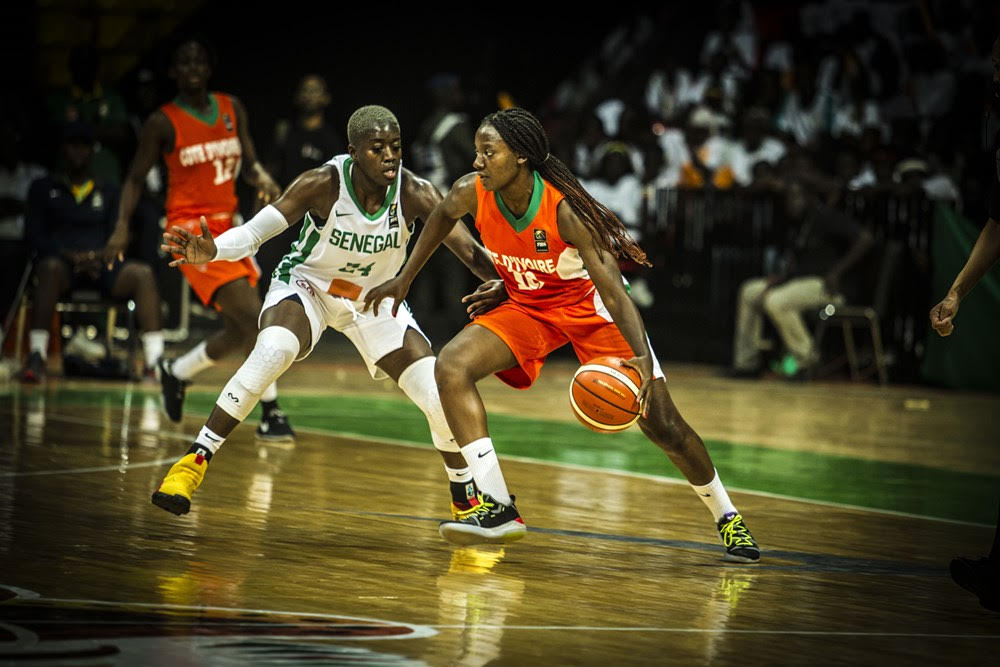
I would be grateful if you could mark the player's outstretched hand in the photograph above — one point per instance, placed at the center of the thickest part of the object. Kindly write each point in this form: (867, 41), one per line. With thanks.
(192, 249)
(395, 289)
(644, 367)
(943, 315)
(487, 296)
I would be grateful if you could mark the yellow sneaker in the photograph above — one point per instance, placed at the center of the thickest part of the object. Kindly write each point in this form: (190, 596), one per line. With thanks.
(174, 492)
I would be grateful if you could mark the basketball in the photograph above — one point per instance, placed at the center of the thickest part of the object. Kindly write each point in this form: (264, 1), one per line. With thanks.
(604, 395)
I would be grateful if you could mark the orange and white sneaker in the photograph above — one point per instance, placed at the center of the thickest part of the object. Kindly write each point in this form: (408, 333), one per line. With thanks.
(175, 491)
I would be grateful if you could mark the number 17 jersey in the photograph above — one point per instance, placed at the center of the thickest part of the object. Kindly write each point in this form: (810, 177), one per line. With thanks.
(204, 162)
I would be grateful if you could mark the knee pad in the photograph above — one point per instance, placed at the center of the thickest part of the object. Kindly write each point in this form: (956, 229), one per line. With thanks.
(271, 356)
(418, 383)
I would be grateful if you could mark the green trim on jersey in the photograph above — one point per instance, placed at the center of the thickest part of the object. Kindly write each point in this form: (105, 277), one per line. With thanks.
(301, 250)
(209, 119)
(389, 195)
(520, 224)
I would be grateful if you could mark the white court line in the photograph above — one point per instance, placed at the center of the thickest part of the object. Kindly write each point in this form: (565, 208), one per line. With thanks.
(819, 633)
(524, 459)
(74, 471)
(419, 631)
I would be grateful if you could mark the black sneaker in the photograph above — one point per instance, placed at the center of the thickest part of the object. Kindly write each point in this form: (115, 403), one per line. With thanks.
(34, 369)
(736, 538)
(274, 427)
(173, 390)
(486, 521)
(980, 577)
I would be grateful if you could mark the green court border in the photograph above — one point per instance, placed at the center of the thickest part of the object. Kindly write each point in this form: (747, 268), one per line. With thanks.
(906, 489)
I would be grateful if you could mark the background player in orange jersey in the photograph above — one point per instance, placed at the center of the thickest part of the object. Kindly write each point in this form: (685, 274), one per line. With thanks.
(204, 139)
(542, 229)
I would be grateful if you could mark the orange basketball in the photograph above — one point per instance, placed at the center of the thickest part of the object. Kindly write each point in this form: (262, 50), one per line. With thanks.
(605, 395)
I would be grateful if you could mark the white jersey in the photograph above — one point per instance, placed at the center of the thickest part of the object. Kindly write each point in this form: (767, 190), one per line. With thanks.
(353, 250)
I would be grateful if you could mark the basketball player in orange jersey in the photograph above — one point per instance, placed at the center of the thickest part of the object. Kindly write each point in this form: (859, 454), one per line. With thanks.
(204, 139)
(542, 228)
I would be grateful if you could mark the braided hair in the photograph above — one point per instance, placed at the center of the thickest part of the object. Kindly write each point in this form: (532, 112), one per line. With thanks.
(525, 135)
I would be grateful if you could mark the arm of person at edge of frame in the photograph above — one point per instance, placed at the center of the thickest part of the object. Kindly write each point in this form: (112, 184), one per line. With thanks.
(984, 254)
(421, 198)
(253, 171)
(313, 191)
(461, 199)
(603, 268)
(156, 133)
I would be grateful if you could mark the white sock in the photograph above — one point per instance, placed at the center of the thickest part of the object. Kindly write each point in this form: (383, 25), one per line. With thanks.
(270, 392)
(715, 497)
(481, 456)
(152, 345)
(460, 475)
(38, 341)
(209, 439)
(191, 362)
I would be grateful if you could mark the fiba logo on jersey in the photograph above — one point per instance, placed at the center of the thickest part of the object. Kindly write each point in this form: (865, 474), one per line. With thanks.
(393, 218)
(228, 122)
(541, 244)
(306, 286)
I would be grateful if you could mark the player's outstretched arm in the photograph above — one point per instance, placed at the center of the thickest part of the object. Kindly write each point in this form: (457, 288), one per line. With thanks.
(253, 171)
(603, 268)
(461, 199)
(984, 255)
(420, 197)
(156, 134)
(315, 190)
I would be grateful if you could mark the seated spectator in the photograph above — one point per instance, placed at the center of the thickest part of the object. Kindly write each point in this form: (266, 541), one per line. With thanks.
(16, 175)
(824, 245)
(68, 218)
(615, 185)
(697, 157)
(754, 146)
(805, 113)
(914, 175)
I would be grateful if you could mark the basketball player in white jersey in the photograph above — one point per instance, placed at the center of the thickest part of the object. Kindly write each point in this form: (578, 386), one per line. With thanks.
(359, 211)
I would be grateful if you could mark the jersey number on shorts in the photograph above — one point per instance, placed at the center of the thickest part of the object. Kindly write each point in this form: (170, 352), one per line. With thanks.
(224, 169)
(356, 268)
(527, 280)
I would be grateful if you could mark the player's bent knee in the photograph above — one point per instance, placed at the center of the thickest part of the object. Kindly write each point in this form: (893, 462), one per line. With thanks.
(274, 352)
(669, 433)
(418, 382)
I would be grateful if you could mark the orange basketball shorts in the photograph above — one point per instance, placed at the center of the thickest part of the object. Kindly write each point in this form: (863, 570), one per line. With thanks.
(205, 279)
(533, 333)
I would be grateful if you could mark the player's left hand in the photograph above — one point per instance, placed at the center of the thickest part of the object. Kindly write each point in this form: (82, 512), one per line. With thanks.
(267, 191)
(487, 296)
(644, 367)
(192, 249)
(114, 247)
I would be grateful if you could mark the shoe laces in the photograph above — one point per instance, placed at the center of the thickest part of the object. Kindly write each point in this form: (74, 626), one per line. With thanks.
(276, 415)
(735, 533)
(485, 505)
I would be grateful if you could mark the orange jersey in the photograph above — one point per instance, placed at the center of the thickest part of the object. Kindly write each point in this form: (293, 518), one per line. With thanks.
(538, 268)
(202, 167)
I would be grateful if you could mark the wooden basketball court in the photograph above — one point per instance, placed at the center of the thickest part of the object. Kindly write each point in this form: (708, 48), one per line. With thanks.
(327, 552)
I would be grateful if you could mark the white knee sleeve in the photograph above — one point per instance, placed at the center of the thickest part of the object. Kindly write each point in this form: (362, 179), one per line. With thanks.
(274, 352)
(418, 383)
